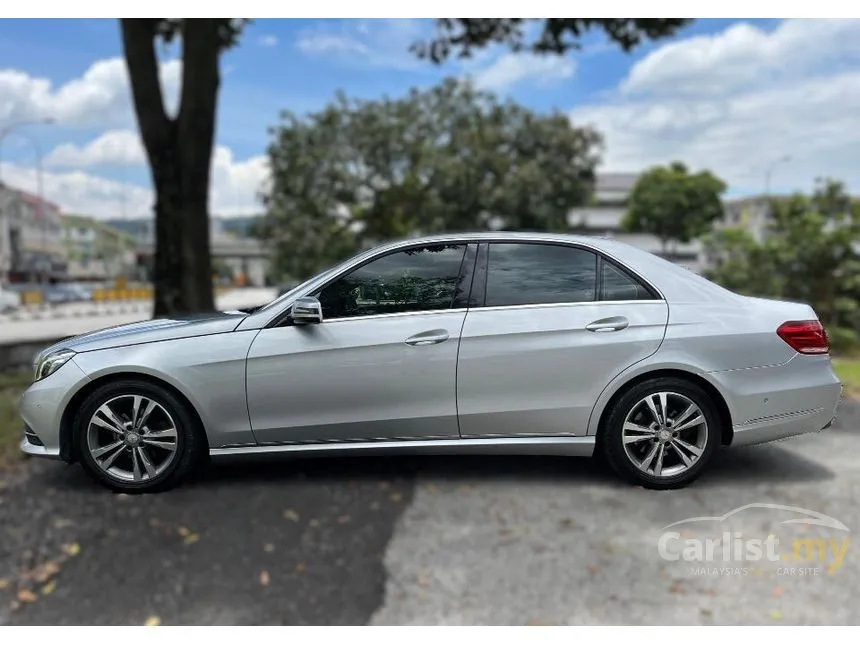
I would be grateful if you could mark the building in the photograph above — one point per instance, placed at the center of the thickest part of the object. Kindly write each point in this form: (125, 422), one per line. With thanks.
(604, 216)
(31, 246)
(97, 251)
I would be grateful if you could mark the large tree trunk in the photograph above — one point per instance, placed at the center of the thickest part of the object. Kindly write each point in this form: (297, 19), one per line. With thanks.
(179, 151)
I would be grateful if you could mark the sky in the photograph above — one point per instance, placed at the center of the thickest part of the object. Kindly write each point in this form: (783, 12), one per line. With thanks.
(735, 97)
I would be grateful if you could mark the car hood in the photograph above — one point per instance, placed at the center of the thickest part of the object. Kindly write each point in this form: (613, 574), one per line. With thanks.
(149, 331)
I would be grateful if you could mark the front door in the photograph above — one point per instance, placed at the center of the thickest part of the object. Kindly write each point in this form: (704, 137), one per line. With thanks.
(382, 364)
(558, 323)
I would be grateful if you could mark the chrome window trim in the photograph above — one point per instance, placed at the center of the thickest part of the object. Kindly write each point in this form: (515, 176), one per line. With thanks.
(455, 238)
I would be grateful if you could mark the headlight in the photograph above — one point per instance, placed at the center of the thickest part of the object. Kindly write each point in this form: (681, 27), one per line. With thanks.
(51, 363)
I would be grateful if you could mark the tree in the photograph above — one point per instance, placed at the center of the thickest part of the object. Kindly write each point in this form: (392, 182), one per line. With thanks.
(179, 150)
(673, 204)
(442, 159)
(809, 254)
(460, 36)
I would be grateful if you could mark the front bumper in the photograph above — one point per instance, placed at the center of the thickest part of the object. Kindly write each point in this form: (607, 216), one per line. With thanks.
(42, 406)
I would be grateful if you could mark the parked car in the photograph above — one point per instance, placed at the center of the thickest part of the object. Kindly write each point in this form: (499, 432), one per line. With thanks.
(9, 300)
(487, 343)
(62, 293)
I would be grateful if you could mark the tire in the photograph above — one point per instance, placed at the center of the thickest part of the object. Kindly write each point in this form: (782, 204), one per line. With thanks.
(627, 460)
(166, 468)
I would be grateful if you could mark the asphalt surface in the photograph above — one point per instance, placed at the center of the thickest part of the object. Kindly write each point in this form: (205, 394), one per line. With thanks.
(438, 540)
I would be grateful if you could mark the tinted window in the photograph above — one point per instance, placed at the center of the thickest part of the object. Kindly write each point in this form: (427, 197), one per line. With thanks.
(618, 285)
(525, 274)
(419, 279)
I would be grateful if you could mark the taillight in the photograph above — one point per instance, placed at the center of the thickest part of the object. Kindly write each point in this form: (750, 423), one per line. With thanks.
(805, 336)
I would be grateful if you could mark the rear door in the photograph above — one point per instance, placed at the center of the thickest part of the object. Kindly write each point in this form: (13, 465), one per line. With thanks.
(550, 325)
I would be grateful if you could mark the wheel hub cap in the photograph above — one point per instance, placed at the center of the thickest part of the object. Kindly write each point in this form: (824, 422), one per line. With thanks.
(132, 438)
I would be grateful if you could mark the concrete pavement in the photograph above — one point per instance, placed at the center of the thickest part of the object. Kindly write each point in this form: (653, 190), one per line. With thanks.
(439, 540)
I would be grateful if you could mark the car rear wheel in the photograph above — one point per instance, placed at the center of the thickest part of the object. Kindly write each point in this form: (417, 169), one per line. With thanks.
(661, 433)
(137, 437)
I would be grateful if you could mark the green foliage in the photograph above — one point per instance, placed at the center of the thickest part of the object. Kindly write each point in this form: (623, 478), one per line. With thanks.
(460, 36)
(441, 159)
(673, 204)
(809, 254)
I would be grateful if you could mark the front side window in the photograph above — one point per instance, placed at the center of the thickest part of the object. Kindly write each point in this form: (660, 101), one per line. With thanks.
(417, 279)
(530, 274)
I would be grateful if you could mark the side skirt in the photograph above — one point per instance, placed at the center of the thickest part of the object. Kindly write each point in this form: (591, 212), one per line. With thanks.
(569, 446)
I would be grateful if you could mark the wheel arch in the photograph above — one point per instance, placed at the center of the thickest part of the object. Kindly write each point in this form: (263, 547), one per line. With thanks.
(68, 449)
(611, 395)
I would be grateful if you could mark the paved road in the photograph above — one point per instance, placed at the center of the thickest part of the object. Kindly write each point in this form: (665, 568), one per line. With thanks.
(73, 319)
(418, 541)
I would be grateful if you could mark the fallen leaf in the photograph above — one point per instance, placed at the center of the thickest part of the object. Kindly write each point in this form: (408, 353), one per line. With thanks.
(264, 578)
(593, 568)
(62, 523)
(567, 522)
(775, 614)
(72, 549)
(300, 567)
(184, 532)
(777, 592)
(191, 538)
(677, 586)
(4, 583)
(706, 612)
(423, 580)
(343, 519)
(314, 523)
(290, 514)
(269, 547)
(152, 621)
(396, 497)
(45, 571)
(48, 589)
(25, 595)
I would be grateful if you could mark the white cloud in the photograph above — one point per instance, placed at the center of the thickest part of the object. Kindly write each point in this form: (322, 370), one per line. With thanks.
(510, 69)
(101, 95)
(268, 40)
(374, 43)
(235, 185)
(736, 101)
(112, 148)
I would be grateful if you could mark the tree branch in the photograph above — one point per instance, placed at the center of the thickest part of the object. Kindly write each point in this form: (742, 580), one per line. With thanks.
(138, 39)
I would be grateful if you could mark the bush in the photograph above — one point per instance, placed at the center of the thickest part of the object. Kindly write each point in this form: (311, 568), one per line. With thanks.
(843, 340)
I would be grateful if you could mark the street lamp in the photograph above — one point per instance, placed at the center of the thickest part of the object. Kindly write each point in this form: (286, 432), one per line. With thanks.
(39, 183)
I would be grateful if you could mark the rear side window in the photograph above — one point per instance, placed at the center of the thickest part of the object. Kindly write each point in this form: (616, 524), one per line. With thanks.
(531, 274)
(617, 284)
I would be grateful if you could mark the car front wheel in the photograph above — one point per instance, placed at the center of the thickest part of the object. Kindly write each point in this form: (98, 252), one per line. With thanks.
(137, 437)
(661, 433)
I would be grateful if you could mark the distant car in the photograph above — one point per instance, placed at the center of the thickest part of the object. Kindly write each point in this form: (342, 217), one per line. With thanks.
(9, 301)
(482, 343)
(62, 293)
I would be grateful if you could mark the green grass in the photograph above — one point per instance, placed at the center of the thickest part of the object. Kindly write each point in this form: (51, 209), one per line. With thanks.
(11, 386)
(848, 371)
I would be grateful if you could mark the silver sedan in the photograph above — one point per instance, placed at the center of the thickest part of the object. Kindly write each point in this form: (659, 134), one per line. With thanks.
(485, 343)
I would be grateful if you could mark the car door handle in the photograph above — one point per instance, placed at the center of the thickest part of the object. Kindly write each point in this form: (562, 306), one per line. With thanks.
(432, 337)
(616, 323)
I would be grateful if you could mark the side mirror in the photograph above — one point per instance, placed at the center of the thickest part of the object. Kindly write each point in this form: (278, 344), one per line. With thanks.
(306, 311)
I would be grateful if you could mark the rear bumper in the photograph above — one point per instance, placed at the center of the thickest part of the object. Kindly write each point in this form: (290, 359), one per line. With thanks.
(772, 403)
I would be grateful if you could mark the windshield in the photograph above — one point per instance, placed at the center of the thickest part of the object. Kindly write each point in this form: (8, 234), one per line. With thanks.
(289, 294)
